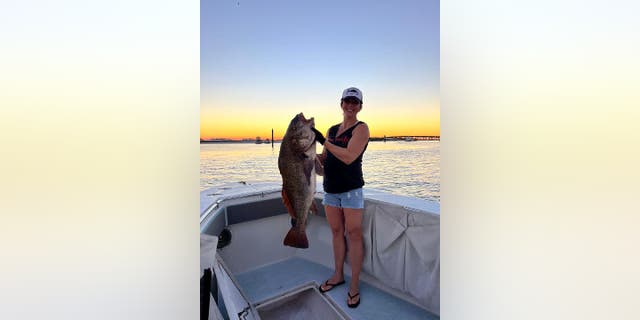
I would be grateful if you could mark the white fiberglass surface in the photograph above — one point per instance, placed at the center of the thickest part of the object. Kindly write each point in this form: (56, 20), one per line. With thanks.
(277, 278)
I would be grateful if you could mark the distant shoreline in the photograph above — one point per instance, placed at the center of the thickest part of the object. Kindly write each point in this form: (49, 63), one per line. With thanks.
(417, 138)
(237, 141)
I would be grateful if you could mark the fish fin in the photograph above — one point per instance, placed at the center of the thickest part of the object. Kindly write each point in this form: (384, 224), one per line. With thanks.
(313, 208)
(296, 238)
(287, 204)
(308, 167)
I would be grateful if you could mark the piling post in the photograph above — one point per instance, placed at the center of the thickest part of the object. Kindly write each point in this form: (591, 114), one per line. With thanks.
(271, 138)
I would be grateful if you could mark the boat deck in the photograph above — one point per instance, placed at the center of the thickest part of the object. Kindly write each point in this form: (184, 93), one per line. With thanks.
(273, 279)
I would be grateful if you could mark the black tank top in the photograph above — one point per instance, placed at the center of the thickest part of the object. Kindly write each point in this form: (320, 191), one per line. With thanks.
(338, 176)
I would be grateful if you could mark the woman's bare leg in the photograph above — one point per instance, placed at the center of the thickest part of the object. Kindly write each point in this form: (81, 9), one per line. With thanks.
(353, 222)
(335, 217)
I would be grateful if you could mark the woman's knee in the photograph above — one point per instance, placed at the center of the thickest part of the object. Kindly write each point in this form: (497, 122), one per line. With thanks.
(337, 231)
(355, 233)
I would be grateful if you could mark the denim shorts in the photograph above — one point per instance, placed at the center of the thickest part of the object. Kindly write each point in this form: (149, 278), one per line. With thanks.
(352, 199)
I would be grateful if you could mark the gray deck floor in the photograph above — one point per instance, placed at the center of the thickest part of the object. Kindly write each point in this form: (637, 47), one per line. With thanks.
(280, 277)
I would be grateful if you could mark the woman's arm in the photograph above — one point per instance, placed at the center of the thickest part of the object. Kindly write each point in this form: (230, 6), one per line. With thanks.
(355, 147)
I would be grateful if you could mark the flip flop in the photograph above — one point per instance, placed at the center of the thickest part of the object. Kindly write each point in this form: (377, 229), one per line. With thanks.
(354, 305)
(331, 286)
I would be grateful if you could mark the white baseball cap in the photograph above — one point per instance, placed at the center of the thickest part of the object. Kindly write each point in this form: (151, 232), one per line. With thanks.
(352, 92)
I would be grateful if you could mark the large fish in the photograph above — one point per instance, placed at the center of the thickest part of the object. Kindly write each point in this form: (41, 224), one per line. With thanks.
(297, 165)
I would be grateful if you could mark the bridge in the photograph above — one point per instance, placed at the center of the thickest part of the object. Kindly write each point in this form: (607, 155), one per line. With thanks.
(407, 138)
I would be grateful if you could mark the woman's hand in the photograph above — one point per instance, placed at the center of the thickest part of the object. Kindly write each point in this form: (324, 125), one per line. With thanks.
(319, 137)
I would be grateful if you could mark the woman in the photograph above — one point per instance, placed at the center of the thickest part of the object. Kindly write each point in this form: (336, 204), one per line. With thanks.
(343, 200)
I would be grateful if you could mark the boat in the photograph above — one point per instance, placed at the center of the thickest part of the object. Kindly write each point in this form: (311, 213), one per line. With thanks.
(247, 273)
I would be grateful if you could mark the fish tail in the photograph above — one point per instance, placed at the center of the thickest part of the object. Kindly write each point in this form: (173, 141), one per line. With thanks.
(296, 238)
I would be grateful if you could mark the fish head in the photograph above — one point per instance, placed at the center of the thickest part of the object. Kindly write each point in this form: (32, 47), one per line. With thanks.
(300, 131)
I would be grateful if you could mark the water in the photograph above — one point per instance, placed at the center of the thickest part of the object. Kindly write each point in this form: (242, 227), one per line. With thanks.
(399, 167)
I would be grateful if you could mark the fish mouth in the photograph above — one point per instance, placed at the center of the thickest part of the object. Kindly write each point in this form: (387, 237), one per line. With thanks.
(305, 120)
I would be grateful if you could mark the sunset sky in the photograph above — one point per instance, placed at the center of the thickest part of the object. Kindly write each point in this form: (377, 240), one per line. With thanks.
(262, 62)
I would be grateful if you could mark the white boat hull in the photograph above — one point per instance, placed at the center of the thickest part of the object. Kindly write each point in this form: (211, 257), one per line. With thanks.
(401, 237)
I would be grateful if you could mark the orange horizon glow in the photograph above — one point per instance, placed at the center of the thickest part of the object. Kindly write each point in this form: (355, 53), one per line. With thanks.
(236, 122)
(279, 133)
(238, 129)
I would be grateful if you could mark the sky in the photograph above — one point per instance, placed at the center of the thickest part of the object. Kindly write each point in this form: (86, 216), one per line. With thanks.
(262, 62)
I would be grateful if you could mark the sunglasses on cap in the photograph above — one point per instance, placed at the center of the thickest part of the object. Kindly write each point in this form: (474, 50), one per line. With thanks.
(351, 100)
